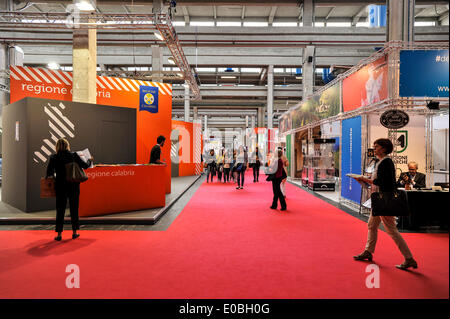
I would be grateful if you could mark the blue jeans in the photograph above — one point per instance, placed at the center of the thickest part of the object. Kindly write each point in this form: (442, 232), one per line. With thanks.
(241, 177)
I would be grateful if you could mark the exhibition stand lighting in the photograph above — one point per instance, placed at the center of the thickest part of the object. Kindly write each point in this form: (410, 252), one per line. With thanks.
(160, 23)
(84, 5)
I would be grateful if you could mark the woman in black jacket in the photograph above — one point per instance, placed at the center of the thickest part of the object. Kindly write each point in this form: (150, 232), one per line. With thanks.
(384, 179)
(63, 188)
(277, 169)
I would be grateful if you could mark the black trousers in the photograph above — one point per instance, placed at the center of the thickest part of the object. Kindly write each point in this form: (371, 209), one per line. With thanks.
(277, 194)
(73, 194)
(219, 173)
(226, 174)
(256, 173)
(241, 177)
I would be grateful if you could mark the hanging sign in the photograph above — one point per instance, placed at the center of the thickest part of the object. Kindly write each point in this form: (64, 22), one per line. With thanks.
(394, 119)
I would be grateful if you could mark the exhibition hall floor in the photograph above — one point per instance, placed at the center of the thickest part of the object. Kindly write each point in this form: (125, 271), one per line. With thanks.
(226, 243)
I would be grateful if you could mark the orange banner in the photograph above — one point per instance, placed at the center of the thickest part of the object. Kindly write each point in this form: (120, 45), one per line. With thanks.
(57, 85)
(367, 86)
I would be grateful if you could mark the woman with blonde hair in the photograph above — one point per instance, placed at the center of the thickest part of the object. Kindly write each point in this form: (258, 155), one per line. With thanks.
(65, 190)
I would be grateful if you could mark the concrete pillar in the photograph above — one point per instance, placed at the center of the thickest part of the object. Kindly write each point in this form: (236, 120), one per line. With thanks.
(253, 122)
(84, 61)
(246, 121)
(270, 96)
(157, 63)
(205, 122)
(308, 13)
(195, 114)
(260, 117)
(400, 20)
(186, 102)
(158, 6)
(308, 66)
(9, 55)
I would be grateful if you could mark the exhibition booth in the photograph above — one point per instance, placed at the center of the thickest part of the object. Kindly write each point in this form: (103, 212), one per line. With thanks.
(119, 131)
(331, 133)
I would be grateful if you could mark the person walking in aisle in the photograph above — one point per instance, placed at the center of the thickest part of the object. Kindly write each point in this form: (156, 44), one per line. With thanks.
(220, 163)
(233, 166)
(63, 188)
(211, 166)
(241, 167)
(255, 162)
(278, 173)
(227, 166)
(383, 178)
(285, 166)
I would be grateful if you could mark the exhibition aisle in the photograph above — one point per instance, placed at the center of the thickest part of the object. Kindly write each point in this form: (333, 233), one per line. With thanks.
(226, 243)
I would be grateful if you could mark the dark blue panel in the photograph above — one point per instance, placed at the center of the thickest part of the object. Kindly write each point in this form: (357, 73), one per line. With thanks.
(424, 73)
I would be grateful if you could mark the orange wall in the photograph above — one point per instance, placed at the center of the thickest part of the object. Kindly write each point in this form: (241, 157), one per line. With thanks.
(55, 84)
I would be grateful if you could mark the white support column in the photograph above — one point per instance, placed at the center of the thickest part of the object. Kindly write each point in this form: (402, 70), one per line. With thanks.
(253, 122)
(308, 13)
(400, 20)
(195, 114)
(84, 62)
(157, 63)
(186, 102)
(308, 66)
(270, 96)
(205, 122)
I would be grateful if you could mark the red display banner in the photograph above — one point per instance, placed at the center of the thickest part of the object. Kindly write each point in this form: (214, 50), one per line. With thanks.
(367, 86)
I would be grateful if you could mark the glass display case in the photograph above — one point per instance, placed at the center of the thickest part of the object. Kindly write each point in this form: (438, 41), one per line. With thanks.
(320, 165)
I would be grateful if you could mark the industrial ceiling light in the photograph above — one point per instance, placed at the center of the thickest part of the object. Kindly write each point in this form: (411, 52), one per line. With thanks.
(171, 60)
(53, 66)
(85, 5)
(180, 75)
(299, 77)
(228, 77)
(159, 36)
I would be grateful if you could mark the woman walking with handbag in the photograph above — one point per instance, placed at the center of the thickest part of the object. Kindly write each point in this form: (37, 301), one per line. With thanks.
(276, 177)
(384, 178)
(63, 188)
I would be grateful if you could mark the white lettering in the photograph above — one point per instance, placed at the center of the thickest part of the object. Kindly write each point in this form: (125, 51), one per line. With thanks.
(373, 280)
(73, 280)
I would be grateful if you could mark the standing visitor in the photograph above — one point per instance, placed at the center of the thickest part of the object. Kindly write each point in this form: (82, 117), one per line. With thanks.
(227, 166)
(63, 188)
(383, 178)
(278, 174)
(256, 164)
(220, 164)
(211, 165)
(285, 166)
(155, 154)
(241, 167)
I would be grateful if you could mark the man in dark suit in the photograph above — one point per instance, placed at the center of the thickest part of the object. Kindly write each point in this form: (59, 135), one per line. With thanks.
(412, 177)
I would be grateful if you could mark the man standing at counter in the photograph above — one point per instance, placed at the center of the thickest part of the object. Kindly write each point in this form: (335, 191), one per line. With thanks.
(155, 154)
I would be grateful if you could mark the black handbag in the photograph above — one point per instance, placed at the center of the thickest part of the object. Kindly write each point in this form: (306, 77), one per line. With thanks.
(390, 203)
(74, 173)
(270, 177)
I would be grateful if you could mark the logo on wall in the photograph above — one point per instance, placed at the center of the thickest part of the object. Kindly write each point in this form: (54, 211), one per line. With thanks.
(148, 99)
(60, 126)
(394, 119)
(402, 141)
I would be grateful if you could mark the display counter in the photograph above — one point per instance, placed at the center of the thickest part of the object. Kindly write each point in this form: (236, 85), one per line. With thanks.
(427, 208)
(122, 188)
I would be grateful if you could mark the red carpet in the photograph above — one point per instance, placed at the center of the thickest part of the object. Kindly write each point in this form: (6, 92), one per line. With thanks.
(226, 243)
